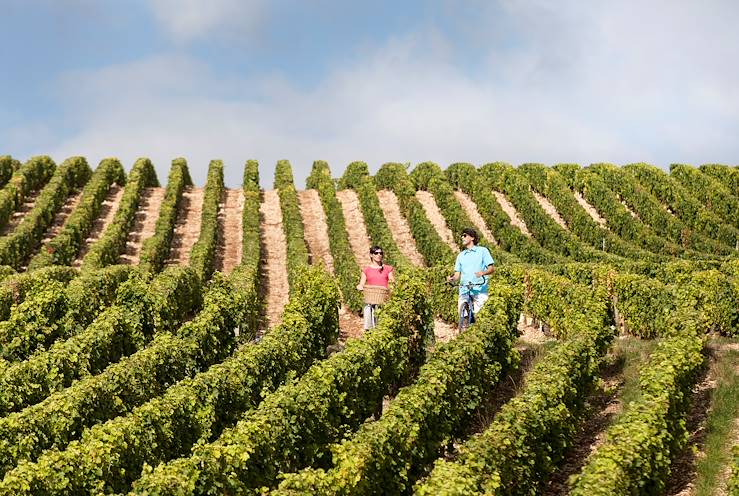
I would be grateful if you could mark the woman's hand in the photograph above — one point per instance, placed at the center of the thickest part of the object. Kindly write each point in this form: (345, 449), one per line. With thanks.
(360, 287)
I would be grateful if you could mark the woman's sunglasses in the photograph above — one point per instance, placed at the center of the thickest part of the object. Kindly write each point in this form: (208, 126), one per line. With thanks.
(377, 253)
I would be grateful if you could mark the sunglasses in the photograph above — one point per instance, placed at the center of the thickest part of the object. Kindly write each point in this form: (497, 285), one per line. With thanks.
(377, 253)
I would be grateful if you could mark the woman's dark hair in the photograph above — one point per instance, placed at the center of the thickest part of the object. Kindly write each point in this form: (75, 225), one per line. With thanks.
(472, 233)
(376, 248)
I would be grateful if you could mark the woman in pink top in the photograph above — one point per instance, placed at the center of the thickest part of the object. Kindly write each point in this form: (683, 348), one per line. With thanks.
(375, 274)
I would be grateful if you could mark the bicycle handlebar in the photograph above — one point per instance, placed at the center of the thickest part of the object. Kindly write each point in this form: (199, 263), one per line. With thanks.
(469, 284)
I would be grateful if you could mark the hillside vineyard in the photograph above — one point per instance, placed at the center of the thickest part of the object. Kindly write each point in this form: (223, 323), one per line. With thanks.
(169, 338)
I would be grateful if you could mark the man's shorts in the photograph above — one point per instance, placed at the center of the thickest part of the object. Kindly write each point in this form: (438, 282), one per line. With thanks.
(478, 300)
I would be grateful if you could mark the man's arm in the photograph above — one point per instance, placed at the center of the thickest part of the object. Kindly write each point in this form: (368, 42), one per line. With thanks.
(488, 271)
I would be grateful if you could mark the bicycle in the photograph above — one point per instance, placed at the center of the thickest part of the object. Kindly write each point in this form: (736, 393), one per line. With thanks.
(467, 311)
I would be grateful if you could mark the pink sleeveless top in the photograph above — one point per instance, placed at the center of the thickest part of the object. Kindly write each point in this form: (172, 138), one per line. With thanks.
(377, 278)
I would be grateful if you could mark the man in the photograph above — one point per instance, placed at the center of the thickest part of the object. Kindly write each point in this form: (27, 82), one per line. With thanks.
(472, 263)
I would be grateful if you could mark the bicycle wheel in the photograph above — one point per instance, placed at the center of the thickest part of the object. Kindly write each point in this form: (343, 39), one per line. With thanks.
(464, 317)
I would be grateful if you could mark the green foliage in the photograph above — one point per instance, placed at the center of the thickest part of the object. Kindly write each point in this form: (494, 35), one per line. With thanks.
(247, 274)
(394, 177)
(726, 175)
(531, 432)
(32, 176)
(140, 310)
(543, 228)
(429, 176)
(293, 426)
(113, 241)
(635, 458)
(16, 247)
(15, 288)
(345, 266)
(357, 178)
(203, 252)
(133, 380)
(732, 485)
(479, 187)
(595, 190)
(652, 213)
(387, 455)
(714, 195)
(683, 203)
(292, 221)
(550, 184)
(8, 166)
(155, 249)
(110, 456)
(65, 246)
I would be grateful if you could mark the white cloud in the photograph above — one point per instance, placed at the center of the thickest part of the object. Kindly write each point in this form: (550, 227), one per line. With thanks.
(188, 20)
(614, 86)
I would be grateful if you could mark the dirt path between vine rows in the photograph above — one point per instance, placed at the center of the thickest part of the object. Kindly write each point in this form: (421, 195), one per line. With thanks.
(508, 208)
(107, 213)
(550, 210)
(61, 216)
(434, 215)
(470, 209)
(187, 226)
(144, 223)
(359, 240)
(276, 289)
(627, 207)
(399, 229)
(683, 470)
(591, 210)
(402, 236)
(604, 405)
(17, 217)
(316, 229)
(230, 231)
(316, 237)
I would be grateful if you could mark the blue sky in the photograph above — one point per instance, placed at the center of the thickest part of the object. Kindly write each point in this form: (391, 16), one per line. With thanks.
(446, 81)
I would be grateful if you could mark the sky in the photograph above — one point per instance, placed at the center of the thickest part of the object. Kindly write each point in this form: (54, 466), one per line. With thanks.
(445, 81)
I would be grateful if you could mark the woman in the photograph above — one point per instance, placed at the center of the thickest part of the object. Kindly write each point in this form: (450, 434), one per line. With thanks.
(375, 274)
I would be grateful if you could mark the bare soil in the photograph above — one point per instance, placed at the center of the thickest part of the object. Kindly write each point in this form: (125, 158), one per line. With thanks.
(187, 226)
(144, 224)
(399, 228)
(17, 217)
(107, 213)
(437, 218)
(359, 240)
(61, 216)
(274, 263)
(532, 332)
(230, 231)
(590, 210)
(550, 210)
(628, 209)
(470, 209)
(316, 229)
(509, 209)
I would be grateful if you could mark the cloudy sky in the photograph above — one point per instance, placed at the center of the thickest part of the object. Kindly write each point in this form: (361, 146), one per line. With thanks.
(447, 81)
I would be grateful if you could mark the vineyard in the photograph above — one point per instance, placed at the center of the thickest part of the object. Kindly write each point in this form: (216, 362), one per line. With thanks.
(175, 339)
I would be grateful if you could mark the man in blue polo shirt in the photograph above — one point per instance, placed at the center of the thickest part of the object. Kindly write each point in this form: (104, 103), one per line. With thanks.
(473, 262)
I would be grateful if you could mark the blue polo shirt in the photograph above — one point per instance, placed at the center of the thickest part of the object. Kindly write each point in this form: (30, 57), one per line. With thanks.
(468, 262)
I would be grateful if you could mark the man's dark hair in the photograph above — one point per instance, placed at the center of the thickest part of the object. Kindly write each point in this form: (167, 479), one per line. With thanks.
(471, 232)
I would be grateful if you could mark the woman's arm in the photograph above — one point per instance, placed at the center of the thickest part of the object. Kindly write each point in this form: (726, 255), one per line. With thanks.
(362, 281)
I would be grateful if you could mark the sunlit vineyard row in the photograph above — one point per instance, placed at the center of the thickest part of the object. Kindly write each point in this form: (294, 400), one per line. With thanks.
(169, 338)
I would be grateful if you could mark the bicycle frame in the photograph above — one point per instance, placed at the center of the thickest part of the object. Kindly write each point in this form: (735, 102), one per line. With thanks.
(467, 311)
